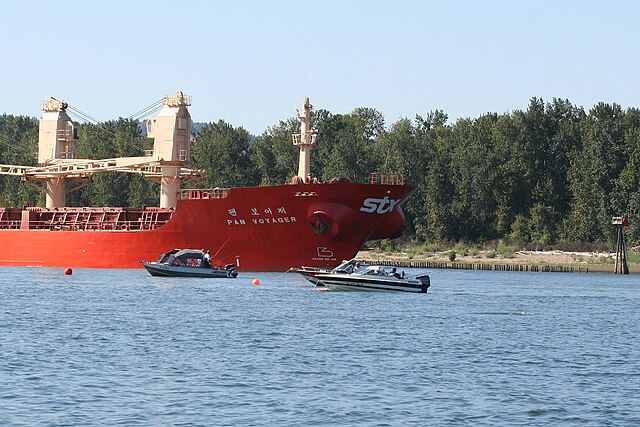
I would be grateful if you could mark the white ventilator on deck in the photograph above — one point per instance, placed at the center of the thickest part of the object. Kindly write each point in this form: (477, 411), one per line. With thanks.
(305, 139)
(171, 130)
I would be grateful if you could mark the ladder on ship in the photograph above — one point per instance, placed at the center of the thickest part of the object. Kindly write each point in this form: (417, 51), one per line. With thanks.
(148, 220)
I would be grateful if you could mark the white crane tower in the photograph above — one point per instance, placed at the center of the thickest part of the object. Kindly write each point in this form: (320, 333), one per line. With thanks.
(171, 130)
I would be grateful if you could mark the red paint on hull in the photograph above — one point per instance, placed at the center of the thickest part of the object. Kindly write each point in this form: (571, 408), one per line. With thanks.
(261, 228)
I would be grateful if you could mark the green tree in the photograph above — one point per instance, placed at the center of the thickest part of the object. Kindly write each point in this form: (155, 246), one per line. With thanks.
(342, 150)
(117, 138)
(223, 152)
(625, 196)
(592, 174)
(430, 206)
(542, 223)
(18, 146)
(511, 172)
(370, 120)
(472, 204)
(273, 154)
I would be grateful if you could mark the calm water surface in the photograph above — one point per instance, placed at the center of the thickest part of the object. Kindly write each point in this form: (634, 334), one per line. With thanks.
(119, 347)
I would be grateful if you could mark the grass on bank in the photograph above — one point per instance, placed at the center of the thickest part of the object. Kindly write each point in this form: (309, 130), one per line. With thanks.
(494, 251)
(415, 250)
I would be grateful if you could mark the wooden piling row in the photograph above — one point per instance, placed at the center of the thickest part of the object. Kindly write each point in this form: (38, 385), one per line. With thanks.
(477, 266)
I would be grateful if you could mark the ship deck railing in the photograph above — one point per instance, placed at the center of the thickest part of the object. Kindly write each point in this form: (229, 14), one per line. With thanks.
(204, 193)
(143, 223)
(387, 178)
(10, 225)
(138, 225)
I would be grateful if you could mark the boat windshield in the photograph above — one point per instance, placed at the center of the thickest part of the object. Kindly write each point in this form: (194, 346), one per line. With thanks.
(346, 267)
(377, 270)
(374, 270)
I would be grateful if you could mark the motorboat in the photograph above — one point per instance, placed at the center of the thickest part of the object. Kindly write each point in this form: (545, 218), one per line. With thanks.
(372, 278)
(188, 263)
(310, 273)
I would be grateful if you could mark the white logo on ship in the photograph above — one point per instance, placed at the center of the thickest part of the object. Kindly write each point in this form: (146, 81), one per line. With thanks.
(379, 206)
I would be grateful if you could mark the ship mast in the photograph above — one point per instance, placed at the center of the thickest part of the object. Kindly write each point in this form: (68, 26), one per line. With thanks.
(305, 140)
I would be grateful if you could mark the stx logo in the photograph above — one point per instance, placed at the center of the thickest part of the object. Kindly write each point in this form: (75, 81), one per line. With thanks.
(379, 206)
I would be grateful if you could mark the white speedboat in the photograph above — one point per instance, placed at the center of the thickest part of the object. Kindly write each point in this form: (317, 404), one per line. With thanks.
(310, 273)
(372, 278)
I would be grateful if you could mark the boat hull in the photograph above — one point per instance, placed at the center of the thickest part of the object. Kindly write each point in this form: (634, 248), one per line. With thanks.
(163, 270)
(310, 273)
(256, 228)
(356, 282)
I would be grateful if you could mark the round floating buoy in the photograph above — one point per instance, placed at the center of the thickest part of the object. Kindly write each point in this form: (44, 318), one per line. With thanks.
(68, 271)
(256, 282)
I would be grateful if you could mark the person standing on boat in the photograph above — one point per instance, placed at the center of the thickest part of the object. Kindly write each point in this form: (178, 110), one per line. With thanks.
(206, 259)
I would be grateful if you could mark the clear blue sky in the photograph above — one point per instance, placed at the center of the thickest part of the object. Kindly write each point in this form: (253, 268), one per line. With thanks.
(246, 61)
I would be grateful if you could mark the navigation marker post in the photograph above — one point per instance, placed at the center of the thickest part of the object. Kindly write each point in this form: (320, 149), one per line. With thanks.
(621, 247)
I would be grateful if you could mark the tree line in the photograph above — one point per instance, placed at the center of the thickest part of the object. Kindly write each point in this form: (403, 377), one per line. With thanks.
(551, 174)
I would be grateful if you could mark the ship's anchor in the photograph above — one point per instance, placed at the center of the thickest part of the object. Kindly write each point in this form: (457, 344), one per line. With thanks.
(319, 225)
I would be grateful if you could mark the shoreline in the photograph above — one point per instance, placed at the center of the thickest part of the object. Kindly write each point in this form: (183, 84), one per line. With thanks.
(596, 262)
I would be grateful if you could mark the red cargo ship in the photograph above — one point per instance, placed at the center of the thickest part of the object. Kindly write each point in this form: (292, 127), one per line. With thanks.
(268, 228)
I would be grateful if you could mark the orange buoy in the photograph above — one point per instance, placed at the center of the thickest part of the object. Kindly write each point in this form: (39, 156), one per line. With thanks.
(68, 271)
(256, 282)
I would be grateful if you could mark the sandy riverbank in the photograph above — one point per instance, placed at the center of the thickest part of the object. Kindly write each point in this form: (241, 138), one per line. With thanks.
(594, 261)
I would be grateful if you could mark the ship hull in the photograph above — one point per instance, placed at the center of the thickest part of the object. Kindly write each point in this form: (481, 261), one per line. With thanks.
(256, 228)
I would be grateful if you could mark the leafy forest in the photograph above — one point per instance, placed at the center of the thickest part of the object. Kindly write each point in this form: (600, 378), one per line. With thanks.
(550, 176)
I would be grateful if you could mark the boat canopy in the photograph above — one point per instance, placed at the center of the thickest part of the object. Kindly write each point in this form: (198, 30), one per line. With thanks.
(191, 257)
(189, 253)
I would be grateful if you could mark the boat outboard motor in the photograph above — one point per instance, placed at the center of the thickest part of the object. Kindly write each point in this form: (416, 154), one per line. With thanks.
(426, 283)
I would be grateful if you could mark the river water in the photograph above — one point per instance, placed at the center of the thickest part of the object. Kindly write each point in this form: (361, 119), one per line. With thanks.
(119, 347)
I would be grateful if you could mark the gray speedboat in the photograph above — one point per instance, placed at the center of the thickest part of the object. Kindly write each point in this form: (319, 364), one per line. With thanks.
(187, 263)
